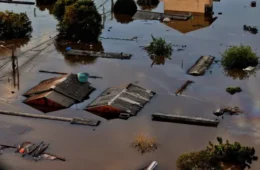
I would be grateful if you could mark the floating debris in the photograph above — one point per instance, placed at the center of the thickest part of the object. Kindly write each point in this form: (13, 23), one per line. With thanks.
(144, 144)
(151, 166)
(183, 87)
(253, 4)
(78, 121)
(166, 20)
(251, 29)
(185, 119)
(233, 90)
(99, 54)
(201, 65)
(250, 68)
(228, 110)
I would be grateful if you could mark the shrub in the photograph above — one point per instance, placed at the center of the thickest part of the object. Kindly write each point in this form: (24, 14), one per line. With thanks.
(14, 25)
(81, 21)
(159, 49)
(144, 144)
(125, 7)
(239, 57)
(214, 156)
(233, 90)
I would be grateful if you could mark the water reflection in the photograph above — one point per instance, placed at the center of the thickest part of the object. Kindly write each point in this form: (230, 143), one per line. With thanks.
(198, 21)
(62, 44)
(239, 74)
(158, 60)
(43, 7)
(125, 7)
(123, 19)
(6, 49)
(148, 4)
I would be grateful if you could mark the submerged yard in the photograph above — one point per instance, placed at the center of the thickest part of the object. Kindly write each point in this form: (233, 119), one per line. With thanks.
(108, 146)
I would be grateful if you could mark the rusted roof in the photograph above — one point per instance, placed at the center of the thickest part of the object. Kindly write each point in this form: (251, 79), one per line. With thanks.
(68, 85)
(45, 86)
(53, 96)
(130, 99)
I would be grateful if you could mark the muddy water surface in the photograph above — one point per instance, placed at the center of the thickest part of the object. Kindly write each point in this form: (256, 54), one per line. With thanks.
(107, 147)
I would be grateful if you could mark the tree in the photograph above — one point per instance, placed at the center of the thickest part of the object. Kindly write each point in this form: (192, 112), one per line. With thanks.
(239, 57)
(214, 156)
(13, 25)
(81, 21)
(159, 50)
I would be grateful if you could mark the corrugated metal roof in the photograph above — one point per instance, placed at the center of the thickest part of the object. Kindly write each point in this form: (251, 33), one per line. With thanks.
(74, 89)
(45, 85)
(130, 99)
(53, 96)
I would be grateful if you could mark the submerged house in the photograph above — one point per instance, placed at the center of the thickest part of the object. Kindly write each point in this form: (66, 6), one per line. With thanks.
(120, 101)
(58, 93)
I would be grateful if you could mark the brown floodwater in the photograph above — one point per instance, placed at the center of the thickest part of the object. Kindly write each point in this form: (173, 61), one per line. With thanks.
(108, 147)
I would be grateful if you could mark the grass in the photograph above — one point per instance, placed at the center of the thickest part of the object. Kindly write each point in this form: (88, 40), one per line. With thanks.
(144, 143)
(239, 57)
(233, 90)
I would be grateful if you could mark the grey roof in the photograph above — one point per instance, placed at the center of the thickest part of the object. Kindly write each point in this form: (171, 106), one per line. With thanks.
(67, 85)
(130, 99)
(74, 89)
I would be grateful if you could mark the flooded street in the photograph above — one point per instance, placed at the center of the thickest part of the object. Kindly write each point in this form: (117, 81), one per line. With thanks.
(108, 146)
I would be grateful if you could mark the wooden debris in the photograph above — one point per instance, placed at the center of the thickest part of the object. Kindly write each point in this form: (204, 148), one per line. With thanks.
(78, 121)
(202, 64)
(183, 87)
(99, 54)
(228, 110)
(17, 2)
(147, 15)
(185, 119)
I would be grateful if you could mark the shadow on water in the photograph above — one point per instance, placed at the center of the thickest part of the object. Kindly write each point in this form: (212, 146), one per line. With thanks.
(124, 10)
(239, 74)
(62, 44)
(148, 4)
(45, 108)
(6, 50)
(197, 22)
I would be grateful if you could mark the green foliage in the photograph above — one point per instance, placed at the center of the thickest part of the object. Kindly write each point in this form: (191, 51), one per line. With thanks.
(14, 25)
(233, 90)
(59, 8)
(215, 155)
(197, 160)
(158, 47)
(239, 57)
(125, 7)
(81, 21)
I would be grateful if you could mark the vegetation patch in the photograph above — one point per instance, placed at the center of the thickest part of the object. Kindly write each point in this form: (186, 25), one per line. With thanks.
(159, 50)
(233, 90)
(79, 20)
(144, 144)
(251, 29)
(13, 25)
(239, 57)
(214, 157)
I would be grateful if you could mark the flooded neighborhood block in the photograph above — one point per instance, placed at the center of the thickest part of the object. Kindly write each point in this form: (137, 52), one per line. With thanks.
(58, 93)
(147, 15)
(202, 64)
(185, 119)
(99, 54)
(115, 101)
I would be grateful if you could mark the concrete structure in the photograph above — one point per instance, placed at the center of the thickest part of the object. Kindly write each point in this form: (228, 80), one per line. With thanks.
(194, 6)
